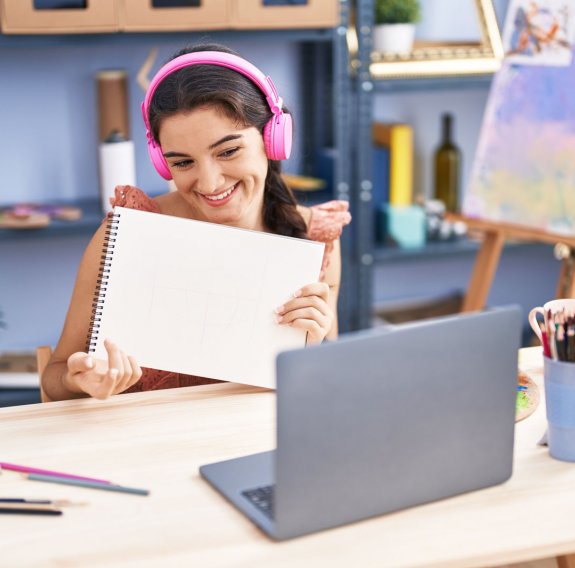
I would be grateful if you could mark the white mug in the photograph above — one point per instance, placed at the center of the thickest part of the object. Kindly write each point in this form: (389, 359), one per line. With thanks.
(555, 306)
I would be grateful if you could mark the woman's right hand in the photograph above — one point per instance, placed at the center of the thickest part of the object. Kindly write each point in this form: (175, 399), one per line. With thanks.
(100, 378)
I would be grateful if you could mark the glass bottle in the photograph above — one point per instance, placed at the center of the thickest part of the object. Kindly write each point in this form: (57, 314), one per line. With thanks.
(447, 167)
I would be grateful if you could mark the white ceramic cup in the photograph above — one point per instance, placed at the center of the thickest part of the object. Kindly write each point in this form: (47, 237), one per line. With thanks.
(554, 306)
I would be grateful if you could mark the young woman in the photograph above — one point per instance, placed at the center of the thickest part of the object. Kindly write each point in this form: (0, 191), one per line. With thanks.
(217, 127)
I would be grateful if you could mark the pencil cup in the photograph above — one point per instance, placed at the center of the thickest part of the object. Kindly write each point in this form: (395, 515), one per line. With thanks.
(560, 406)
(550, 309)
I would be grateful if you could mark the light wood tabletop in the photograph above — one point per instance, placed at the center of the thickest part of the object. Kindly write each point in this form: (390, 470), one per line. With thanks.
(158, 440)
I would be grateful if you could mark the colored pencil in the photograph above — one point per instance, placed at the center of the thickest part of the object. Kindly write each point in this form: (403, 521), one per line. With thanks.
(571, 340)
(27, 506)
(28, 511)
(88, 484)
(552, 343)
(560, 338)
(544, 340)
(27, 501)
(26, 469)
(54, 502)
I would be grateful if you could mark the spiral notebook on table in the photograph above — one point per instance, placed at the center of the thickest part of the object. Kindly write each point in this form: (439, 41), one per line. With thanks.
(199, 298)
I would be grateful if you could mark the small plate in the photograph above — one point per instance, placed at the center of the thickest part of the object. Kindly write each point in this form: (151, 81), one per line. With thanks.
(527, 397)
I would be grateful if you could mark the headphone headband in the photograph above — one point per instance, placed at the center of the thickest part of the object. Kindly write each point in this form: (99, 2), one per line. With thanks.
(277, 132)
(222, 59)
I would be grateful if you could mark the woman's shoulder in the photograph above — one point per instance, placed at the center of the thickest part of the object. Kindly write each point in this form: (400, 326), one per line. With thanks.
(325, 221)
(133, 197)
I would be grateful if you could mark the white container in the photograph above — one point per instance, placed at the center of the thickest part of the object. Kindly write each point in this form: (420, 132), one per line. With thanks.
(117, 167)
(393, 38)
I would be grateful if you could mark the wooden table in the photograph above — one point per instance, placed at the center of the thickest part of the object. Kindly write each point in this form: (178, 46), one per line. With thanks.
(158, 440)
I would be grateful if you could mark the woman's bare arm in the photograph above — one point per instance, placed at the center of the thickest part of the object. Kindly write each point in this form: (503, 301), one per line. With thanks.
(71, 371)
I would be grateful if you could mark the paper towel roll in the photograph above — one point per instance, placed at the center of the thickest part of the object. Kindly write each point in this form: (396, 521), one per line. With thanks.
(117, 167)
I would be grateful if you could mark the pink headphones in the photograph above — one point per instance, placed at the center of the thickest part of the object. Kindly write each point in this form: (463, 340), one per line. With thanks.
(278, 130)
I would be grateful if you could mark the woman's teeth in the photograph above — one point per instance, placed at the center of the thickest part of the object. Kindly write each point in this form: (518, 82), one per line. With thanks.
(220, 195)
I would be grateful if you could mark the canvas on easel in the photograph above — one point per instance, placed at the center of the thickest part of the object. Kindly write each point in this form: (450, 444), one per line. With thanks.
(524, 169)
(521, 184)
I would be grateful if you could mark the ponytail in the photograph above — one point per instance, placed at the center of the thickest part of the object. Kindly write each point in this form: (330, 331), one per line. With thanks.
(280, 206)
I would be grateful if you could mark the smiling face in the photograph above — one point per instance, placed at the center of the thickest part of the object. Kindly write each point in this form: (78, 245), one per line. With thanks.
(218, 166)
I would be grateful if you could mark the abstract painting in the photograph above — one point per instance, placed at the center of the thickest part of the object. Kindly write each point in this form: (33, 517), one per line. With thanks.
(524, 167)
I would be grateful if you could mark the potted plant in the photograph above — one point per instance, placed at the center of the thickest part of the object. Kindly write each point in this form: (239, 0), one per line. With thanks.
(395, 20)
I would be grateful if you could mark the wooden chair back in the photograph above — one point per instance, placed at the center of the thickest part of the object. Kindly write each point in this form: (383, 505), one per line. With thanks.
(43, 354)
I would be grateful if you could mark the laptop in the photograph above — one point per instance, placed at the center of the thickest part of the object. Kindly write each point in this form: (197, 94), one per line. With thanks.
(382, 420)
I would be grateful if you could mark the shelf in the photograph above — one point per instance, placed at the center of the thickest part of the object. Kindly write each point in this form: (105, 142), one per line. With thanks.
(435, 250)
(92, 217)
(112, 38)
(435, 83)
(383, 254)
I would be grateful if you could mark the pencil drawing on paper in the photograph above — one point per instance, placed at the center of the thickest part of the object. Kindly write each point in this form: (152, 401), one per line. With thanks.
(211, 314)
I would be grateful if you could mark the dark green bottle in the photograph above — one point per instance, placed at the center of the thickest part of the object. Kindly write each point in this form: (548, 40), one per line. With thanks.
(447, 167)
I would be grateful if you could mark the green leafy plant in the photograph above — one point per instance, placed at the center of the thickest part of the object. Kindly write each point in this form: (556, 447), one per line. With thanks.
(397, 11)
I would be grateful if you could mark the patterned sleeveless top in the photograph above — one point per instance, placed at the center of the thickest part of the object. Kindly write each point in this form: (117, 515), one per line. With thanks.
(325, 225)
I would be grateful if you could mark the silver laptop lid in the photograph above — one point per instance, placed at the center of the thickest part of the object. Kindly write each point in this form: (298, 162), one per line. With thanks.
(383, 420)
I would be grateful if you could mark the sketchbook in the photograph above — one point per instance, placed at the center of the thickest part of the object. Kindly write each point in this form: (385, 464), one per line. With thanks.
(199, 298)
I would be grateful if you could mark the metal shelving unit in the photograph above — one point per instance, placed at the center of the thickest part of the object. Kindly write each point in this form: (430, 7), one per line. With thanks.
(362, 201)
(366, 254)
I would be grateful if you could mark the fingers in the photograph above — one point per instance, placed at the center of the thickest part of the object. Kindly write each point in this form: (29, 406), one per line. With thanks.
(128, 370)
(136, 372)
(308, 310)
(314, 295)
(115, 358)
(80, 362)
(103, 387)
(124, 378)
(310, 320)
(320, 289)
(100, 378)
(86, 374)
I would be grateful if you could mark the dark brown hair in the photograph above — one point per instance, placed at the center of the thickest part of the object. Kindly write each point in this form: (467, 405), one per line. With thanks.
(239, 98)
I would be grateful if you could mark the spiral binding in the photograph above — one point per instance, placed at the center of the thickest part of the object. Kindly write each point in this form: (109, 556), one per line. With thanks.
(102, 282)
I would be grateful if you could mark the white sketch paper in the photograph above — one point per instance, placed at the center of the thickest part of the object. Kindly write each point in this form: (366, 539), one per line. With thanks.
(199, 298)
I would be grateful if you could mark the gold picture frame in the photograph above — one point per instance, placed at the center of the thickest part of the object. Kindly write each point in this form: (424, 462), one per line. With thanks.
(444, 59)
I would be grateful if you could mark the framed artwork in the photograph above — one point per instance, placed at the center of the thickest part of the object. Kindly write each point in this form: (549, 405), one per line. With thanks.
(539, 32)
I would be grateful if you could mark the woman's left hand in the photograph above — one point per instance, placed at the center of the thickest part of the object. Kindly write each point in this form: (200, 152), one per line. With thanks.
(309, 310)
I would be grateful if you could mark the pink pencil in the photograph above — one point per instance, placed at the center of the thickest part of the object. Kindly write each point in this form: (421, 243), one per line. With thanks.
(26, 469)
(544, 341)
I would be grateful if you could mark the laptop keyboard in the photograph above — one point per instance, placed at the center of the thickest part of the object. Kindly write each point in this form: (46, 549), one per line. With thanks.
(262, 498)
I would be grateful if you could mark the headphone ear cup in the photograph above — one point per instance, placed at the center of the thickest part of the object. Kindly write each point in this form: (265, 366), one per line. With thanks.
(158, 159)
(278, 137)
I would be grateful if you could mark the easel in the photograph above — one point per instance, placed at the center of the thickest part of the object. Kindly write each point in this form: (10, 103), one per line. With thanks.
(494, 236)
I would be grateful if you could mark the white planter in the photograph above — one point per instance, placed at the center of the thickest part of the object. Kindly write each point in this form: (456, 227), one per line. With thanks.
(393, 38)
